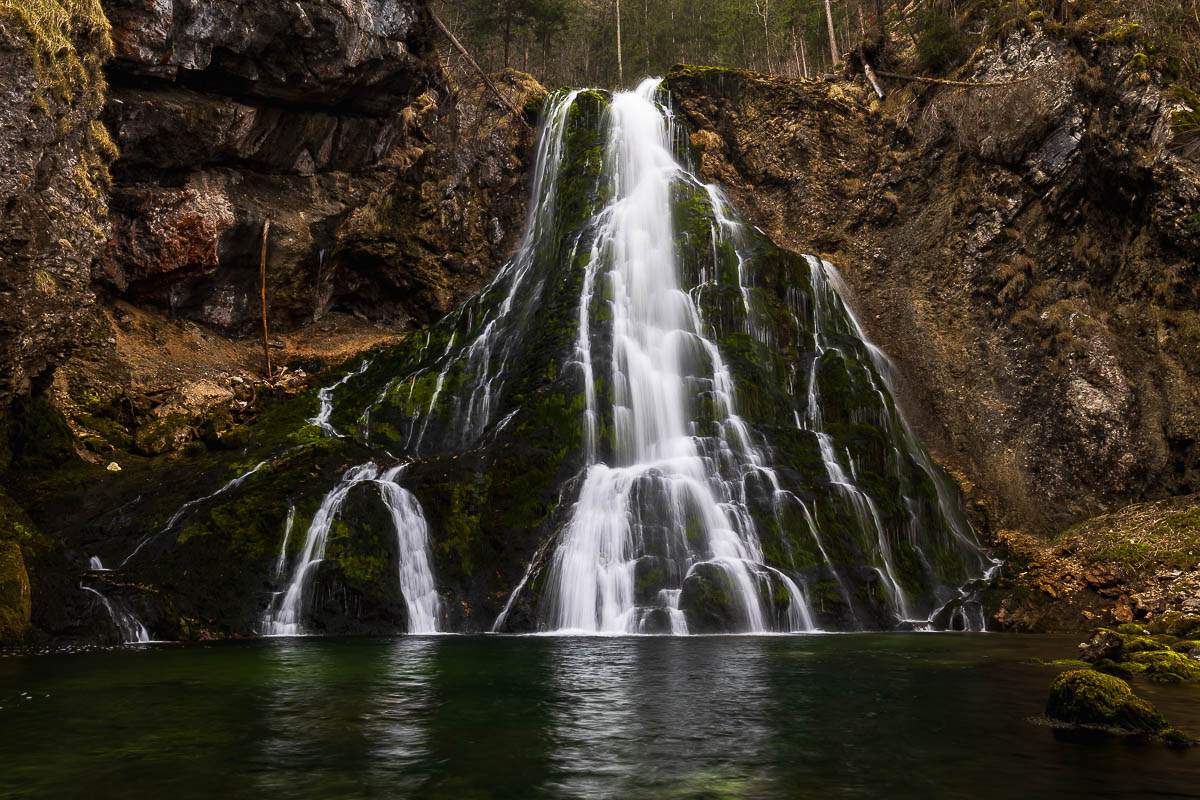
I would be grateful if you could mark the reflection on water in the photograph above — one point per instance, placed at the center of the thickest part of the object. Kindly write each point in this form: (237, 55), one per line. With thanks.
(346, 720)
(544, 717)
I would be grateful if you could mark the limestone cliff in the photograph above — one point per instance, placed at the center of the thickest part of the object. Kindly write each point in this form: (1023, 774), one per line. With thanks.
(1024, 251)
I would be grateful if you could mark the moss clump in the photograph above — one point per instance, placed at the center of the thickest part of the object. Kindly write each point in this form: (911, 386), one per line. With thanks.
(1191, 225)
(68, 42)
(1163, 666)
(1123, 31)
(14, 594)
(1088, 698)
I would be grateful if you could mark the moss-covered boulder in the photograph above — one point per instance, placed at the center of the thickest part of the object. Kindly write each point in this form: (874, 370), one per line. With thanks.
(708, 601)
(1178, 624)
(14, 594)
(1088, 698)
(1133, 650)
(1163, 666)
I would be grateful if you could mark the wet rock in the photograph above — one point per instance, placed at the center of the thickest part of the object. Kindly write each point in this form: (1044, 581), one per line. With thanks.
(708, 601)
(1089, 698)
(232, 114)
(14, 593)
(54, 157)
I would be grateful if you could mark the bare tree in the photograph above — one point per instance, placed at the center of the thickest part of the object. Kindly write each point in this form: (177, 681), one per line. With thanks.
(833, 48)
(763, 9)
(620, 58)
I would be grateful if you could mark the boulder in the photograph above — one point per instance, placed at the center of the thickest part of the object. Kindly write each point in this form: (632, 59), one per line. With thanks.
(1088, 698)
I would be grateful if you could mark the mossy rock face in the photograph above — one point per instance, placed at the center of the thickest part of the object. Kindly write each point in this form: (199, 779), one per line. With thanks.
(708, 601)
(1089, 698)
(357, 588)
(162, 435)
(14, 594)
(1176, 623)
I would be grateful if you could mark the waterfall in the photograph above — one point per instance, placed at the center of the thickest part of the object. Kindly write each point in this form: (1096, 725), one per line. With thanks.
(131, 629)
(663, 479)
(325, 399)
(285, 614)
(412, 536)
(287, 620)
(722, 447)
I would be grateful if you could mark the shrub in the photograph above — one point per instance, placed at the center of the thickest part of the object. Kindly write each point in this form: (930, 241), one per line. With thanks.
(942, 45)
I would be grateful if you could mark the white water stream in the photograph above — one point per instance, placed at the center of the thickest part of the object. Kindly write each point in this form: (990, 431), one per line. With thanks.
(662, 482)
(286, 613)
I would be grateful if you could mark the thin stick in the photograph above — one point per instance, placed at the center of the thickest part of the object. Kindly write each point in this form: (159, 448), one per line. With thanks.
(487, 81)
(965, 84)
(262, 285)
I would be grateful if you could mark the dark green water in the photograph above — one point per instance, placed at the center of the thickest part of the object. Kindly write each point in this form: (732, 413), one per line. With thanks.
(479, 717)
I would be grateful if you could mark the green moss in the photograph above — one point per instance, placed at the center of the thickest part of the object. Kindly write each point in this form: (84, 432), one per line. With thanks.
(1123, 31)
(14, 593)
(941, 44)
(1191, 226)
(460, 526)
(1086, 697)
(67, 42)
(1162, 666)
(162, 435)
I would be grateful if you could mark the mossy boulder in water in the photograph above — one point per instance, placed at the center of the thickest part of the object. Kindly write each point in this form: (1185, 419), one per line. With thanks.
(708, 601)
(357, 587)
(1131, 650)
(1089, 698)
(14, 594)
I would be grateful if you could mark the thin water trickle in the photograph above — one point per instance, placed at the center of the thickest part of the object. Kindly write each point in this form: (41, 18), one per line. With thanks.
(130, 627)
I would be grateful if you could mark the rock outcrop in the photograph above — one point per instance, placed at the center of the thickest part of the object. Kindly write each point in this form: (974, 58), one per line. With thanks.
(54, 156)
(229, 114)
(1024, 252)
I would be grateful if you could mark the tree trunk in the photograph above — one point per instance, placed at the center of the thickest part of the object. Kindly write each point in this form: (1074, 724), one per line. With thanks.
(833, 48)
(620, 57)
(507, 38)
(504, 101)
(796, 54)
(881, 20)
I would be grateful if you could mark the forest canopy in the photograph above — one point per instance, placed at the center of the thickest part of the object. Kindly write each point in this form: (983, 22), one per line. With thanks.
(575, 42)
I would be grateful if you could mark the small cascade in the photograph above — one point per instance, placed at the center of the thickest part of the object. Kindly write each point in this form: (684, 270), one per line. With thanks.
(288, 524)
(96, 565)
(287, 619)
(325, 398)
(285, 614)
(412, 537)
(131, 629)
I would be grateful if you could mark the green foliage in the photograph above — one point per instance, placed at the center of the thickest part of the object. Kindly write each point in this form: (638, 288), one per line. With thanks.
(941, 45)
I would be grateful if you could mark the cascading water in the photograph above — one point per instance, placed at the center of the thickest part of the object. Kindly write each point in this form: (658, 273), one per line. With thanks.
(684, 427)
(285, 615)
(662, 504)
(130, 627)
